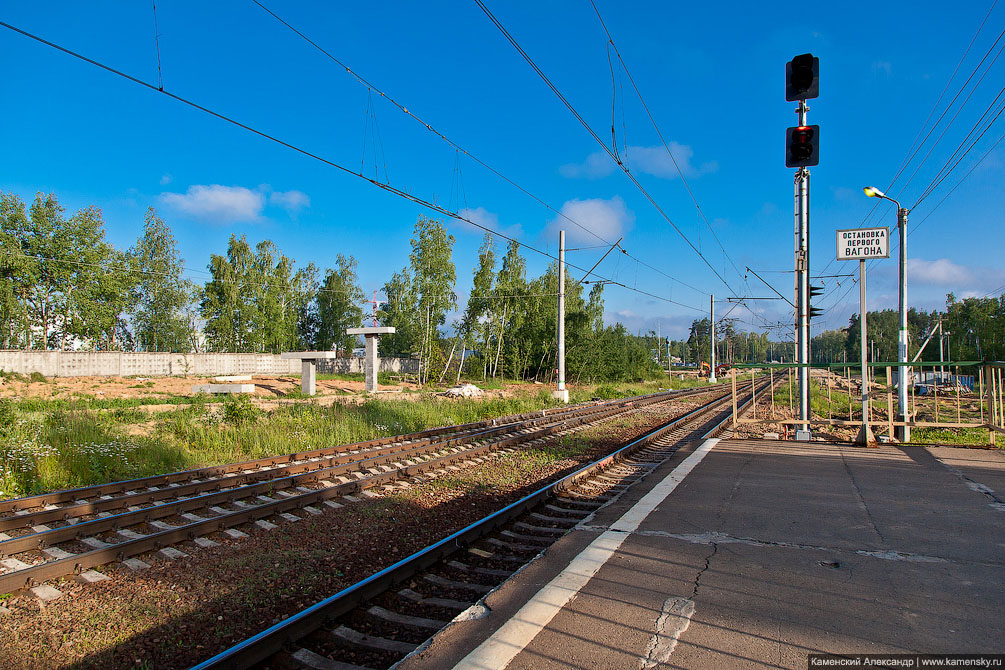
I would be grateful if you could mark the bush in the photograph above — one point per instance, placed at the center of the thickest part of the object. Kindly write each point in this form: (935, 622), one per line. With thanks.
(239, 409)
(37, 377)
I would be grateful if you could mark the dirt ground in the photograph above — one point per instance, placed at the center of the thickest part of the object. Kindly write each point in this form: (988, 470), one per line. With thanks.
(267, 386)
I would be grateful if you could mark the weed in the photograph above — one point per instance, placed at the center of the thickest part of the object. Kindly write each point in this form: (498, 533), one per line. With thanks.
(13, 376)
(239, 409)
(37, 377)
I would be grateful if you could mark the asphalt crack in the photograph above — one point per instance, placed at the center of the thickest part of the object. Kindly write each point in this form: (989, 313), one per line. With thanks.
(708, 562)
(861, 498)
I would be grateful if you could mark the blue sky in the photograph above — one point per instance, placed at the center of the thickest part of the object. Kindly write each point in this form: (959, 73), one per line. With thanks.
(712, 74)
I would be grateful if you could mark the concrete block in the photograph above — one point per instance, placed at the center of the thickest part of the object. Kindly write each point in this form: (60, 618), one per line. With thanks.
(233, 378)
(293, 517)
(265, 525)
(41, 528)
(235, 534)
(4, 611)
(172, 553)
(91, 576)
(205, 542)
(335, 505)
(46, 593)
(314, 510)
(95, 543)
(135, 564)
(13, 564)
(223, 388)
(57, 553)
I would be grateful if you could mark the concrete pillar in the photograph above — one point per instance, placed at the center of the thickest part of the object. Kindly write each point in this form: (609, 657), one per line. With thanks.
(308, 367)
(371, 364)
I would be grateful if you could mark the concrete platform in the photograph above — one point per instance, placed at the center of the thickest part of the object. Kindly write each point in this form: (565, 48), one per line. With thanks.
(754, 554)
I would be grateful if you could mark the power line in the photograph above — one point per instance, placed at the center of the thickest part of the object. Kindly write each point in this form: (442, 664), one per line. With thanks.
(659, 133)
(386, 187)
(370, 86)
(589, 129)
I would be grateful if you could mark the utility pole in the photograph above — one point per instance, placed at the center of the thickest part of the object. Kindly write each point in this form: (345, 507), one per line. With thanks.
(711, 371)
(942, 368)
(561, 393)
(905, 373)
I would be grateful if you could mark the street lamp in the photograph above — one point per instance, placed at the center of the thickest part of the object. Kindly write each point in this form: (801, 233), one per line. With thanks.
(903, 432)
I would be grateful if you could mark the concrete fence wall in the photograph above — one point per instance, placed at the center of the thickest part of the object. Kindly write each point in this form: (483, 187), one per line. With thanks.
(156, 364)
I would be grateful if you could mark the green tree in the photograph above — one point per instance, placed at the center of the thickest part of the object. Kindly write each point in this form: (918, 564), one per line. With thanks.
(160, 318)
(339, 306)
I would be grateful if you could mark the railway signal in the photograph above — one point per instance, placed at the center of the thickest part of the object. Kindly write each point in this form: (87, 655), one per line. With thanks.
(802, 146)
(802, 150)
(802, 78)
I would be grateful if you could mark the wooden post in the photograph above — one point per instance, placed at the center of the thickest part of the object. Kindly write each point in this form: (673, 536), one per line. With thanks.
(980, 390)
(847, 379)
(830, 414)
(889, 401)
(989, 398)
(771, 383)
(790, 390)
(935, 386)
(732, 373)
(956, 385)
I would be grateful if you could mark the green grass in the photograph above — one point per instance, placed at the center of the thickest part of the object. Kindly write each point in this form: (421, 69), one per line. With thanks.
(63, 446)
(950, 435)
(35, 404)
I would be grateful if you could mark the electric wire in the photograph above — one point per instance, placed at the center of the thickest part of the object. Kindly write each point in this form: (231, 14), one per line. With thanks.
(659, 133)
(593, 134)
(386, 187)
(464, 151)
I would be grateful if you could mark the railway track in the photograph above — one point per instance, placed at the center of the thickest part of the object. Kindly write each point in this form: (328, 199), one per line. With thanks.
(68, 532)
(376, 622)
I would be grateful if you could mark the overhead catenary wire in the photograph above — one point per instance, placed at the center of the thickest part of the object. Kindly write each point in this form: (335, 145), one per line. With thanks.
(593, 134)
(371, 86)
(659, 133)
(916, 147)
(387, 187)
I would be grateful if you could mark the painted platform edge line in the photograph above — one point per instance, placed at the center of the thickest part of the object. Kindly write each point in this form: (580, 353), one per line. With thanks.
(497, 651)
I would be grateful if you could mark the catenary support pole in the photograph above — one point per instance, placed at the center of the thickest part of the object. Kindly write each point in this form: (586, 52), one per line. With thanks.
(711, 371)
(561, 393)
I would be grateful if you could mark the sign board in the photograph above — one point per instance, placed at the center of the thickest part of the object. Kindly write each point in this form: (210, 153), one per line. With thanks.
(862, 244)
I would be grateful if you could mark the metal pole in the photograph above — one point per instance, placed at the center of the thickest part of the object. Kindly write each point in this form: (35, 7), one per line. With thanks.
(562, 394)
(905, 374)
(802, 184)
(864, 434)
(711, 372)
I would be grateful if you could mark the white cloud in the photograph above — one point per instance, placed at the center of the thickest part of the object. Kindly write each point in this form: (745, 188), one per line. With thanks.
(291, 201)
(216, 203)
(653, 160)
(884, 66)
(609, 219)
(166, 179)
(941, 272)
(490, 220)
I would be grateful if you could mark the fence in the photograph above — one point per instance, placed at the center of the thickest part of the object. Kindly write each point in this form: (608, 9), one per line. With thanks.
(946, 395)
(158, 364)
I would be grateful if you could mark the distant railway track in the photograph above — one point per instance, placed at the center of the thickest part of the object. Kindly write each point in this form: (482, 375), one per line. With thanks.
(53, 535)
(378, 621)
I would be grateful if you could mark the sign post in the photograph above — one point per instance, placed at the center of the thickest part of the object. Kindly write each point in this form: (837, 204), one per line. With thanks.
(863, 244)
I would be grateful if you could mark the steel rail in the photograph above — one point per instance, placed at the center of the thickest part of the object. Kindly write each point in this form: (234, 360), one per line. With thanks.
(167, 479)
(78, 562)
(258, 484)
(270, 641)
